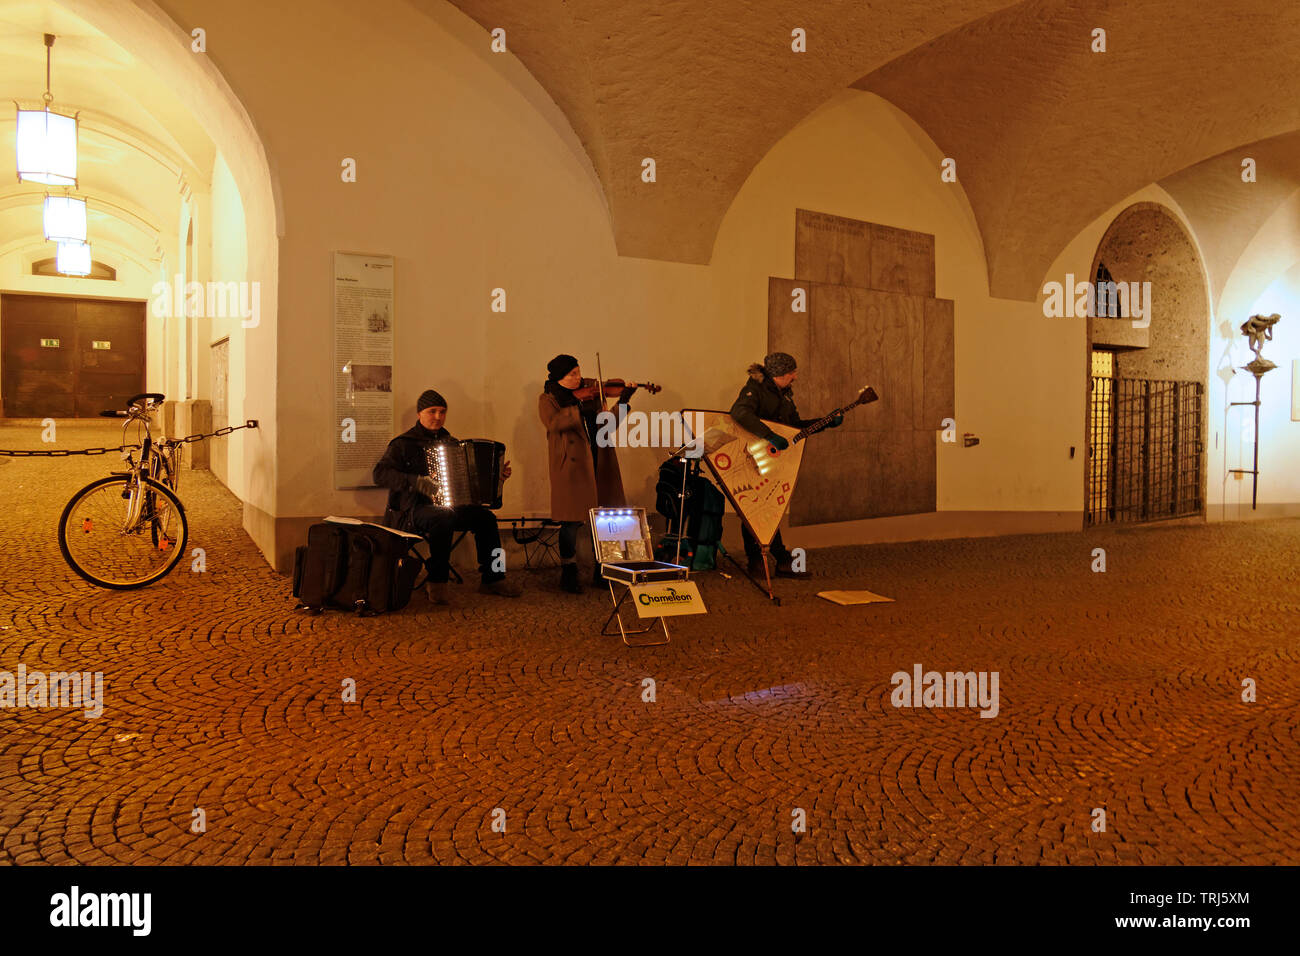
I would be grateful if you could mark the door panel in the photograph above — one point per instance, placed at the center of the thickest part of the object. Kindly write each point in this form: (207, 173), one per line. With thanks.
(75, 378)
(220, 370)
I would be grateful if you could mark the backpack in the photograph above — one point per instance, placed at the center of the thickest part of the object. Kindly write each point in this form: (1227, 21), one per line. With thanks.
(704, 509)
(355, 566)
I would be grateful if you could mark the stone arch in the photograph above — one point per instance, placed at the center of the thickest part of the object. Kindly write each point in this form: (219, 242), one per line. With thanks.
(1146, 242)
(147, 32)
(1148, 247)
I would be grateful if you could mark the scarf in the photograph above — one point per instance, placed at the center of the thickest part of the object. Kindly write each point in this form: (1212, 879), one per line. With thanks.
(561, 394)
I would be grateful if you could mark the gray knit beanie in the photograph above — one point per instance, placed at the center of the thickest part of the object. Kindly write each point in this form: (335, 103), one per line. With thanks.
(779, 363)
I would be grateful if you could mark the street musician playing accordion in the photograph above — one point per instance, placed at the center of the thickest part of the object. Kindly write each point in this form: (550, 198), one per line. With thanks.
(412, 492)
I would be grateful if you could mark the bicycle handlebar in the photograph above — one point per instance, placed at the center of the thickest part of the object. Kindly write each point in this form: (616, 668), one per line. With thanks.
(155, 397)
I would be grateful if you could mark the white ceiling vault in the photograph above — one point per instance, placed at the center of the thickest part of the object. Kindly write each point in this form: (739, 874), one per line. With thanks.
(1046, 133)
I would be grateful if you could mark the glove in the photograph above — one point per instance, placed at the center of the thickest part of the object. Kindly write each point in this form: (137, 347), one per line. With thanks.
(427, 487)
(777, 442)
(836, 422)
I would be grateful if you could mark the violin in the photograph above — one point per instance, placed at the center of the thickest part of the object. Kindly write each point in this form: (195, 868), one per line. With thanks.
(590, 388)
(618, 384)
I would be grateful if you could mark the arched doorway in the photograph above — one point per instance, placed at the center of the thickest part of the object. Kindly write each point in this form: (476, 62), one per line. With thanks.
(1148, 342)
(154, 107)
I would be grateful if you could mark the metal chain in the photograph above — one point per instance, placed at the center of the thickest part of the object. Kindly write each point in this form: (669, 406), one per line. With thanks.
(219, 433)
(64, 452)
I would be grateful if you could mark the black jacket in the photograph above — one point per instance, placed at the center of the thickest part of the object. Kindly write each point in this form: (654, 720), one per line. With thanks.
(403, 463)
(759, 399)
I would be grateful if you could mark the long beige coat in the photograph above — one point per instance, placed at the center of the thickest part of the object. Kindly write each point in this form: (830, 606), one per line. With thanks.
(574, 488)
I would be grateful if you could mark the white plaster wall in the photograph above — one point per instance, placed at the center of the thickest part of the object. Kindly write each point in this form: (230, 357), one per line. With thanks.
(228, 258)
(1266, 280)
(478, 190)
(468, 175)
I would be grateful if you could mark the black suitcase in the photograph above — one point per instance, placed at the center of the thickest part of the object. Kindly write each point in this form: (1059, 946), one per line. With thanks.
(381, 570)
(321, 566)
(299, 565)
(357, 567)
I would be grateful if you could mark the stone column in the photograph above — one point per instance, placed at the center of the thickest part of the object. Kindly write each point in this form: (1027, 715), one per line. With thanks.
(192, 417)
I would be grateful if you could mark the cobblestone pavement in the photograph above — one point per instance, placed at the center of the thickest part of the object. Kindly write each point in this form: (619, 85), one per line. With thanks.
(1119, 690)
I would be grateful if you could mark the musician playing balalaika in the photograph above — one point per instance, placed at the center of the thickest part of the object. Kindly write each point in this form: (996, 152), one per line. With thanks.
(768, 395)
(404, 471)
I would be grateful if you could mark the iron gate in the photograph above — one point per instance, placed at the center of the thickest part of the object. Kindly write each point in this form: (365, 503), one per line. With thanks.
(1146, 450)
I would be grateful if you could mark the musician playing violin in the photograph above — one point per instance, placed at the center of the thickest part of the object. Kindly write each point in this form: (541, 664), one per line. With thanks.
(404, 471)
(768, 395)
(584, 475)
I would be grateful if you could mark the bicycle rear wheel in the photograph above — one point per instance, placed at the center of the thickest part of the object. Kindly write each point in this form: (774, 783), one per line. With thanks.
(97, 544)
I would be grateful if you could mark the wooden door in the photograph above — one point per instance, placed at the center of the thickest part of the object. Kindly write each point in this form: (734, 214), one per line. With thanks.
(66, 357)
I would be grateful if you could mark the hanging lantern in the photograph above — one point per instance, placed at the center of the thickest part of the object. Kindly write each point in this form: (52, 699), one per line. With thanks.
(65, 219)
(46, 141)
(73, 258)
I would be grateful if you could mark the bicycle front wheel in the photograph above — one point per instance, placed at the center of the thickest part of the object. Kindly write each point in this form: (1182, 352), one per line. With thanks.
(101, 545)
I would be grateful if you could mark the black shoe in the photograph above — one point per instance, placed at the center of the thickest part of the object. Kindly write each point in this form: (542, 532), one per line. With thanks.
(596, 580)
(569, 579)
(756, 570)
(500, 588)
(785, 569)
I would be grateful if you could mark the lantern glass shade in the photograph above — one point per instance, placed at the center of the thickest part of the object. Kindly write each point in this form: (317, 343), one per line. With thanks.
(73, 258)
(65, 219)
(46, 144)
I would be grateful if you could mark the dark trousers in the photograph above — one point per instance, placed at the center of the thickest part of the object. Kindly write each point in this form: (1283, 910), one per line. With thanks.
(754, 551)
(569, 540)
(439, 525)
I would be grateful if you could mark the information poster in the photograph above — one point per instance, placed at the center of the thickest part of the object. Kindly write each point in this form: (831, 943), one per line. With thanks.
(363, 365)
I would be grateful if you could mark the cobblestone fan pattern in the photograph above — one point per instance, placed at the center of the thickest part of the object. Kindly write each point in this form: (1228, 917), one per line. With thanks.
(1119, 690)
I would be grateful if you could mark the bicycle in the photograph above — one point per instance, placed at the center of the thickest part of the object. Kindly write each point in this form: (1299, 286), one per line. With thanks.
(129, 529)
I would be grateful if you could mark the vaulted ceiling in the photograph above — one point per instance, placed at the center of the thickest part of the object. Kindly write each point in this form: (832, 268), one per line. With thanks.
(1225, 212)
(1046, 133)
(704, 87)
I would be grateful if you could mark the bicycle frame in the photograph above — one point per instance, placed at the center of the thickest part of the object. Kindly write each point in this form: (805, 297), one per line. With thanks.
(158, 460)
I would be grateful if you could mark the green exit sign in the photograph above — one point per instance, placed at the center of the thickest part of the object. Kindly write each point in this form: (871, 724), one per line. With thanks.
(49, 343)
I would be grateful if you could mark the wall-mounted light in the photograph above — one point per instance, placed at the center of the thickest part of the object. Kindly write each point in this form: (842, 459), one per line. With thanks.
(65, 219)
(73, 258)
(46, 141)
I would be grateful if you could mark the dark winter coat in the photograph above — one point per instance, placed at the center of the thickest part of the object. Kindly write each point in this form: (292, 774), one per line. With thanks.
(760, 399)
(403, 463)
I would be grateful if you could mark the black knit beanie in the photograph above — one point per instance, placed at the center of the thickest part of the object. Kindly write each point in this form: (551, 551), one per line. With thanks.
(561, 366)
(430, 399)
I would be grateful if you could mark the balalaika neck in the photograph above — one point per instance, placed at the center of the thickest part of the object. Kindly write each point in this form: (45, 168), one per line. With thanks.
(816, 426)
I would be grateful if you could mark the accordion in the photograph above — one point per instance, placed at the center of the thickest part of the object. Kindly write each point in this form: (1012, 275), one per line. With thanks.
(466, 472)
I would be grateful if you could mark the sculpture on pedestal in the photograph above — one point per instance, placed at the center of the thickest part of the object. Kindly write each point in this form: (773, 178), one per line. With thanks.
(1258, 329)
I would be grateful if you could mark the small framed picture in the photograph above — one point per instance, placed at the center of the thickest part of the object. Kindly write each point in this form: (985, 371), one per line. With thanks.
(1295, 390)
